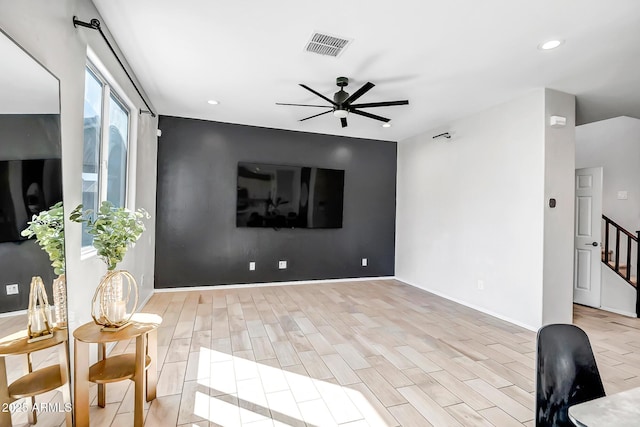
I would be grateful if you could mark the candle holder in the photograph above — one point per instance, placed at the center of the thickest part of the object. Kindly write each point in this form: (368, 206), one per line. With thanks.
(115, 300)
(39, 312)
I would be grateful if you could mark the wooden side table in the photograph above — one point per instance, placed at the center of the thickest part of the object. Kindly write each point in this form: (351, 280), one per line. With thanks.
(116, 368)
(34, 382)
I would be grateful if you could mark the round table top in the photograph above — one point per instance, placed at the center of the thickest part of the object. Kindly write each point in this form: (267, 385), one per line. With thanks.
(141, 323)
(17, 343)
(619, 409)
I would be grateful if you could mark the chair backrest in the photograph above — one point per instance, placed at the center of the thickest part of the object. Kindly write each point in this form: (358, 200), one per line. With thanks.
(566, 374)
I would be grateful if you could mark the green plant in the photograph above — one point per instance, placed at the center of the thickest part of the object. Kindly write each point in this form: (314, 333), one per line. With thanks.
(114, 230)
(48, 228)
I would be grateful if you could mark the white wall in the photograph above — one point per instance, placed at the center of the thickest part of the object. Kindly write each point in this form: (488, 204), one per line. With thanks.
(559, 177)
(614, 144)
(616, 295)
(44, 28)
(472, 209)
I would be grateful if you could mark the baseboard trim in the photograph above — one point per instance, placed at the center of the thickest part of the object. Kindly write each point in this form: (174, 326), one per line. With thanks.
(13, 313)
(146, 300)
(466, 304)
(269, 284)
(616, 311)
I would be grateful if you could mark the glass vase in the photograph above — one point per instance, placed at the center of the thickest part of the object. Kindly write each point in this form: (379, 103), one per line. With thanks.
(60, 301)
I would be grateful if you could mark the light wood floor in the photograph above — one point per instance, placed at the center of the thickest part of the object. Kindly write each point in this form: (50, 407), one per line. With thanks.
(374, 353)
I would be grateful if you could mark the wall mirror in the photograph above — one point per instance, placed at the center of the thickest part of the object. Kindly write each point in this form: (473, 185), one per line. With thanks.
(30, 182)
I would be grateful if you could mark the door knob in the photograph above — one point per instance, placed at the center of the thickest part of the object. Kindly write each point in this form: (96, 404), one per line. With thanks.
(592, 244)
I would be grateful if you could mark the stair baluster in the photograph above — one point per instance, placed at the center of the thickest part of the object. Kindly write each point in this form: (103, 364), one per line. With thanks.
(615, 263)
(628, 274)
(637, 274)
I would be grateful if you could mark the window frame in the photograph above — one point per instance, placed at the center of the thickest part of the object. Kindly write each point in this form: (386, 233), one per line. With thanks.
(110, 89)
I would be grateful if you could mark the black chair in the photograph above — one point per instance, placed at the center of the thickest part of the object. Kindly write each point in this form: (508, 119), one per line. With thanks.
(566, 374)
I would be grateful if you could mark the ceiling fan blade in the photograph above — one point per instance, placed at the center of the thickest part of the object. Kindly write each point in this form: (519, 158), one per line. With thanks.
(318, 94)
(357, 94)
(315, 115)
(301, 105)
(380, 104)
(343, 120)
(369, 115)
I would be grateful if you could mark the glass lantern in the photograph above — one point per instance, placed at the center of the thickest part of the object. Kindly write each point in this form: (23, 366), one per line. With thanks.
(39, 312)
(115, 300)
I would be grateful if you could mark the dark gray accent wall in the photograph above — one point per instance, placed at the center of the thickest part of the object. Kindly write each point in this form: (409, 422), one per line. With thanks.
(197, 241)
(26, 136)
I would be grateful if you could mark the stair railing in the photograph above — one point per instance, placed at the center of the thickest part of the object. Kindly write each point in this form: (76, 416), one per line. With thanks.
(631, 239)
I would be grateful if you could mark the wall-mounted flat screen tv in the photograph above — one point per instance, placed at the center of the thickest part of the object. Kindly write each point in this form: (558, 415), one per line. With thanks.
(280, 196)
(27, 187)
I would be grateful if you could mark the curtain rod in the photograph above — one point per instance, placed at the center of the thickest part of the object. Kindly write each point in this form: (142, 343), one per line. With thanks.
(94, 24)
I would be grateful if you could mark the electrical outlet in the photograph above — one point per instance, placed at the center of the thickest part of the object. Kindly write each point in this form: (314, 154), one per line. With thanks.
(252, 266)
(282, 265)
(13, 289)
(364, 262)
(481, 285)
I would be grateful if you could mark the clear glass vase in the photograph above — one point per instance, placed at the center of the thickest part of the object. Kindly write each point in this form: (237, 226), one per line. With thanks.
(60, 301)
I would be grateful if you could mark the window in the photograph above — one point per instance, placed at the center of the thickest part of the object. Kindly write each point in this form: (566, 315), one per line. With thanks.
(106, 145)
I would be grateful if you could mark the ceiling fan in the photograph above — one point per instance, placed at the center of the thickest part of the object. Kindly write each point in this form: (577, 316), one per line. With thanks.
(343, 103)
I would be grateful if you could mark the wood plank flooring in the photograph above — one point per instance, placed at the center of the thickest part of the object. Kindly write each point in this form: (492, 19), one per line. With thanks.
(371, 353)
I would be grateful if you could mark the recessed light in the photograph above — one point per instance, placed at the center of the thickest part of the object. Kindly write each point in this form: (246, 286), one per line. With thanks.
(213, 102)
(551, 44)
(386, 125)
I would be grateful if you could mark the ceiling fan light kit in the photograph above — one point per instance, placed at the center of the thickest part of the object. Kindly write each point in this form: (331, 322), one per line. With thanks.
(343, 103)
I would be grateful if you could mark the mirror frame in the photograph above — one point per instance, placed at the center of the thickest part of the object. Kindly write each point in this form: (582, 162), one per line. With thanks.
(59, 130)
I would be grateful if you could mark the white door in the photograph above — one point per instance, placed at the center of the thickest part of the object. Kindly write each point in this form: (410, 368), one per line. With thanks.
(586, 270)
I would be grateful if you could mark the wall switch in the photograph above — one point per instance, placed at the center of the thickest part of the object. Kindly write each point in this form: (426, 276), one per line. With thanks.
(481, 285)
(252, 266)
(282, 265)
(623, 195)
(13, 289)
(364, 262)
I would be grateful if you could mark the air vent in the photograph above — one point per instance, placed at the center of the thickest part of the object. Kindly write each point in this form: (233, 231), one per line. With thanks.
(324, 44)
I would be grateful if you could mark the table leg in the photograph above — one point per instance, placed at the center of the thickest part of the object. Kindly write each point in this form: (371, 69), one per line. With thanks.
(102, 390)
(32, 416)
(138, 415)
(152, 370)
(63, 356)
(81, 383)
(5, 414)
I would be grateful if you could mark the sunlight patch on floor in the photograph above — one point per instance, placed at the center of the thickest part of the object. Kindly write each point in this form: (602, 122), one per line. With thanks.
(242, 391)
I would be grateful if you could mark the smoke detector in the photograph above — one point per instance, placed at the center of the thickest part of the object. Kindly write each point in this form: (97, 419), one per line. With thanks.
(325, 44)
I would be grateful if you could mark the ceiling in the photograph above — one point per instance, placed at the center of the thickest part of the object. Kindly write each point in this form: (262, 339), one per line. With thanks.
(449, 58)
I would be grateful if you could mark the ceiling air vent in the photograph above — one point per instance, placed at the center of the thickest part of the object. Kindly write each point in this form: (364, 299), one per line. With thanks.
(324, 44)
